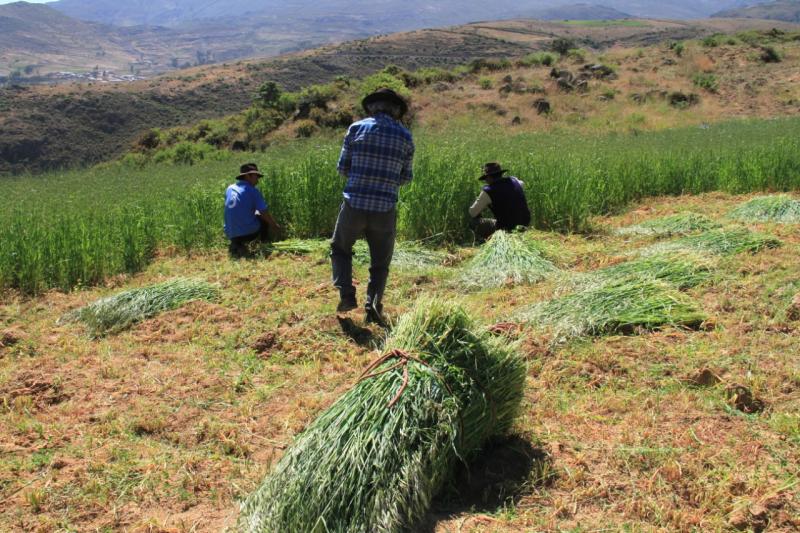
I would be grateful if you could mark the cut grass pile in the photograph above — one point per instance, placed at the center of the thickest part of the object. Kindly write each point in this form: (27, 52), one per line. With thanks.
(374, 459)
(724, 241)
(507, 259)
(119, 312)
(682, 269)
(300, 247)
(617, 305)
(407, 254)
(781, 208)
(679, 224)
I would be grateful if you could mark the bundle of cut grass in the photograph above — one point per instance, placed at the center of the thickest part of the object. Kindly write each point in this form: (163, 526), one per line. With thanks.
(118, 312)
(620, 305)
(507, 259)
(679, 224)
(300, 247)
(682, 269)
(374, 459)
(780, 208)
(726, 241)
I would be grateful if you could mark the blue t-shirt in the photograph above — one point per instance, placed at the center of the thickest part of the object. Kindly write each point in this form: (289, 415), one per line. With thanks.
(242, 200)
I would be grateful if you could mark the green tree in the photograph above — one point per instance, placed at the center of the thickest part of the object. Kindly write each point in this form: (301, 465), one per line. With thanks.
(269, 94)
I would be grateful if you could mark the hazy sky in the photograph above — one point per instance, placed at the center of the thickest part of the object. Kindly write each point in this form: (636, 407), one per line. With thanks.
(31, 1)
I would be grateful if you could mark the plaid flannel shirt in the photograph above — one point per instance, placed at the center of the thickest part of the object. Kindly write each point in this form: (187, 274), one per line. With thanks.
(376, 160)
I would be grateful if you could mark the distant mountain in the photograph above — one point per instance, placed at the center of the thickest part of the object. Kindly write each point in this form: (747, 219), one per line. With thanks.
(383, 15)
(785, 10)
(580, 12)
(35, 35)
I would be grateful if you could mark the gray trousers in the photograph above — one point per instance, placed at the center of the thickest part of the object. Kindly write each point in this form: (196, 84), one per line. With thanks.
(380, 230)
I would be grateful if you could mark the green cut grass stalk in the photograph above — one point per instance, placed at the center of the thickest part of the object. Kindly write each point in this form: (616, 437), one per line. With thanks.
(620, 305)
(678, 224)
(781, 208)
(119, 312)
(407, 254)
(682, 269)
(725, 241)
(507, 259)
(374, 460)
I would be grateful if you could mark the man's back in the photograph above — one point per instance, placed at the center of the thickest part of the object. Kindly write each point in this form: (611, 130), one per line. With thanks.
(376, 159)
(242, 200)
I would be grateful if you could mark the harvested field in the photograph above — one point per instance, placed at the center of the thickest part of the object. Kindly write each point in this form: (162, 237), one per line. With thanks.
(173, 422)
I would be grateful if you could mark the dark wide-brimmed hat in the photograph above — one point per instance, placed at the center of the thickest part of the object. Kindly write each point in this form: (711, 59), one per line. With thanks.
(385, 95)
(492, 170)
(248, 168)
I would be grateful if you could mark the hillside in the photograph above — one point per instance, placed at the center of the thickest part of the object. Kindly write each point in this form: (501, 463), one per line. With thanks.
(784, 10)
(36, 39)
(48, 127)
(39, 44)
(579, 12)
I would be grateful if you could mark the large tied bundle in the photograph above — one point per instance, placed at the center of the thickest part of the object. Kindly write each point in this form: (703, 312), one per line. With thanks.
(374, 459)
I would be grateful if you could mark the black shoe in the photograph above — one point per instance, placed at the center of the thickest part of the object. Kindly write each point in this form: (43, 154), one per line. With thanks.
(375, 316)
(347, 303)
(238, 251)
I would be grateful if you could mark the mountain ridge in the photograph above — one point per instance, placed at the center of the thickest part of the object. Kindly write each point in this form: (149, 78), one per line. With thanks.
(783, 10)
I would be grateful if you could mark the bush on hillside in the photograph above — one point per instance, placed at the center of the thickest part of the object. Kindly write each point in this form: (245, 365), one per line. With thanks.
(380, 80)
(770, 55)
(538, 59)
(488, 64)
(149, 140)
(705, 81)
(678, 48)
(562, 45)
(268, 94)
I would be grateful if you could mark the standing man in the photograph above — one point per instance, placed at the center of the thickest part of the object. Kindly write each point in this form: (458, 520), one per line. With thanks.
(246, 214)
(376, 160)
(505, 197)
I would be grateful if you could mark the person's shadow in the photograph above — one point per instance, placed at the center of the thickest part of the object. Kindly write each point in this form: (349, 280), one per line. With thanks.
(499, 476)
(360, 335)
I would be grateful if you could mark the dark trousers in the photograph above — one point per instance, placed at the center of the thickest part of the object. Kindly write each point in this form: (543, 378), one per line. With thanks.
(483, 228)
(238, 246)
(380, 230)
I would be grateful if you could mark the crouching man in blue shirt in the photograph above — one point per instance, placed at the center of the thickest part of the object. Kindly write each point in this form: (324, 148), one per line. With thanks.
(246, 213)
(376, 159)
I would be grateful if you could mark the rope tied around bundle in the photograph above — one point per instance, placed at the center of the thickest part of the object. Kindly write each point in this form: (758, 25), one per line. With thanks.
(405, 359)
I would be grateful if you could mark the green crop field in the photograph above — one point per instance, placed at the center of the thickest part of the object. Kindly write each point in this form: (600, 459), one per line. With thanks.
(77, 228)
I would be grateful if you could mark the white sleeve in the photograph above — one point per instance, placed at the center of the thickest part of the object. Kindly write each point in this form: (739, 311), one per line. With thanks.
(483, 201)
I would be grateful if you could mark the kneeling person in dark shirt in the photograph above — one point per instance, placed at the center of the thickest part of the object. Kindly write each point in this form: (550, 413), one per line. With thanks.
(505, 197)
(246, 213)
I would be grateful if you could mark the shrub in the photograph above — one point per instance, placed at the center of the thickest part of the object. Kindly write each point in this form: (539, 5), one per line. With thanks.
(538, 59)
(485, 83)
(380, 80)
(712, 41)
(562, 45)
(678, 48)
(149, 140)
(268, 94)
(317, 95)
(306, 128)
(769, 55)
(577, 55)
(489, 64)
(705, 81)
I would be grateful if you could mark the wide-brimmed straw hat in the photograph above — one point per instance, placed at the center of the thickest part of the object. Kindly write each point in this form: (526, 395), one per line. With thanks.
(491, 170)
(385, 95)
(248, 168)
